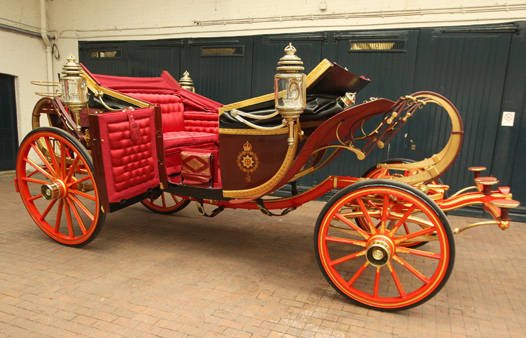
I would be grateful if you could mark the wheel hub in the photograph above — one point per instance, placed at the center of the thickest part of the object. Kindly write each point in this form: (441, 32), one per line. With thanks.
(53, 190)
(379, 250)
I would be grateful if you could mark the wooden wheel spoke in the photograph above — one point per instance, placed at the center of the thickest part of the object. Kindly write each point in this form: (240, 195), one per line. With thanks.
(345, 241)
(372, 228)
(38, 168)
(32, 198)
(420, 253)
(63, 159)
(174, 198)
(51, 151)
(82, 207)
(163, 200)
(357, 274)
(385, 210)
(352, 225)
(69, 222)
(71, 169)
(34, 180)
(46, 211)
(32, 173)
(411, 269)
(347, 257)
(414, 234)
(402, 220)
(59, 216)
(376, 282)
(396, 280)
(80, 180)
(43, 159)
(76, 215)
(82, 194)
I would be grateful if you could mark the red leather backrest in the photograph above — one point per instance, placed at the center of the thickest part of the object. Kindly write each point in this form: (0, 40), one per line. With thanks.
(171, 109)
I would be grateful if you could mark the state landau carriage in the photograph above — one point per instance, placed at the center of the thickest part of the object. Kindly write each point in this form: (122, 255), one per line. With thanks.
(382, 240)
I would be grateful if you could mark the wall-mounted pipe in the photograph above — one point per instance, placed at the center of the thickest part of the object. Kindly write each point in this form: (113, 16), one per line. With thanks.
(45, 39)
(19, 30)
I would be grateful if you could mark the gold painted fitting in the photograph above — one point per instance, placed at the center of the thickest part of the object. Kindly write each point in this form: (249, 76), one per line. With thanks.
(348, 99)
(54, 190)
(504, 224)
(186, 82)
(391, 118)
(379, 250)
(290, 62)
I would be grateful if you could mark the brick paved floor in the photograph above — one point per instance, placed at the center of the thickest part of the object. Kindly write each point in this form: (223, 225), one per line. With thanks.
(239, 274)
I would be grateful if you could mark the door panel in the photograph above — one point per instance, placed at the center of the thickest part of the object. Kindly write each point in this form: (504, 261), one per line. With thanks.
(8, 130)
(150, 58)
(221, 68)
(126, 149)
(469, 68)
(109, 58)
(269, 49)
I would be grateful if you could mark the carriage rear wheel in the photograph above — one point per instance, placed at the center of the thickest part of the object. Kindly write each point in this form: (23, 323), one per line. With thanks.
(54, 174)
(166, 203)
(377, 266)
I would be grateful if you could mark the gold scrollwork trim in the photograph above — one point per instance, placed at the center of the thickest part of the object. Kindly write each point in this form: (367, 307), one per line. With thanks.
(434, 166)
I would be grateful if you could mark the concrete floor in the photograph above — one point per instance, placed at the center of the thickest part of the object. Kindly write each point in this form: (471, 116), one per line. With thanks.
(239, 274)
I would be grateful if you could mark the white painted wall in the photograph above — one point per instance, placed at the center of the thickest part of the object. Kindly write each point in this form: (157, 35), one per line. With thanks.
(22, 56)
(76, 20)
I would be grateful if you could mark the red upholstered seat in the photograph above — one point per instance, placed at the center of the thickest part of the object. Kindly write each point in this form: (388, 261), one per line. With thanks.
(188, 119)
(187, 138)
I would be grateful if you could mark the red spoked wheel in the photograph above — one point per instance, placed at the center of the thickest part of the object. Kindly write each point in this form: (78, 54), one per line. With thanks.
(377, 266)
(166, 203)
(385, 173)
(54, 174)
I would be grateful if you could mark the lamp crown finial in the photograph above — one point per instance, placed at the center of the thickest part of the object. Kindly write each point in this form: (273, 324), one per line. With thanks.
(290, 62)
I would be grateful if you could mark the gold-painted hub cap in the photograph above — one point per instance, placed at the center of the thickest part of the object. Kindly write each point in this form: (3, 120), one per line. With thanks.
(379, 250)
(54, 190)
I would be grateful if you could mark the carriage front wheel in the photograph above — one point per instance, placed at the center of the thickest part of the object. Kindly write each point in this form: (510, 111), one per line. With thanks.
(54, 175)
(377, 265)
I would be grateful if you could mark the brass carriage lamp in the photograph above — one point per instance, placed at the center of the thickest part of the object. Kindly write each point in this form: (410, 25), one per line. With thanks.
(290, 93)
(74, 88)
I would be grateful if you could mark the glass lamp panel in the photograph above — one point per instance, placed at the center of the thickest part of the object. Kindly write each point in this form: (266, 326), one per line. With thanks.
(289, 92)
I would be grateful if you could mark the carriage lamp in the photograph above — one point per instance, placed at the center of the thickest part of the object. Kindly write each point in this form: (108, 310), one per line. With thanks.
(74, 88)
(290, 93)
(186, 82)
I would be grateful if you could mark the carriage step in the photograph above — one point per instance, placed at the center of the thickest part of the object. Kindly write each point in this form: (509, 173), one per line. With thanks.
(486, 182)
(476, 170)
(505, 206)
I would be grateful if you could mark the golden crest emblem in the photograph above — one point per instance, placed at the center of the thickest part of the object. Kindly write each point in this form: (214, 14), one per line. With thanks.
(247, 161)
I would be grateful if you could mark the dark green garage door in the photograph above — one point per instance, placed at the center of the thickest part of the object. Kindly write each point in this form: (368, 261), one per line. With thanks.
(8, 130)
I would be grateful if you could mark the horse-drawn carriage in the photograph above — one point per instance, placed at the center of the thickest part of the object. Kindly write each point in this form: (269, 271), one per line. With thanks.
(382, 240)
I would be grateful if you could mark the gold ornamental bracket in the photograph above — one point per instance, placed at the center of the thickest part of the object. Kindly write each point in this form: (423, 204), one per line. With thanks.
(430, 168)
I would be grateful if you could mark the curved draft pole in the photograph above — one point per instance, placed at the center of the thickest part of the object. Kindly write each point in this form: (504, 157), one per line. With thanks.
(431, 168)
